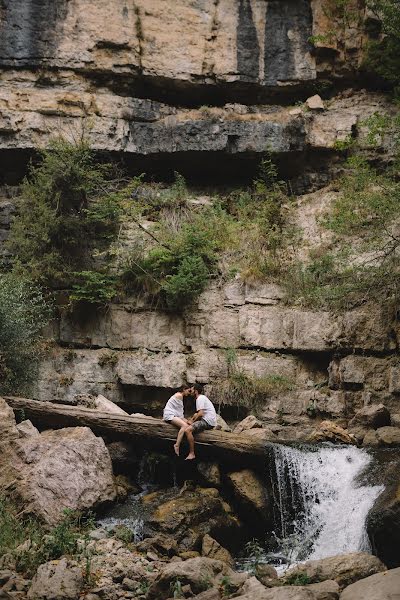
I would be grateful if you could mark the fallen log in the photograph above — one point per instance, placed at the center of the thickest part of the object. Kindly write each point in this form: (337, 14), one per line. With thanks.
(146, 432)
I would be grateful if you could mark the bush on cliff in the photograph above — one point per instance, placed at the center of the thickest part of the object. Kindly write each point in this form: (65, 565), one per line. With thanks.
(383, 55)
(363, 264)
(69, 203)
(24, 311)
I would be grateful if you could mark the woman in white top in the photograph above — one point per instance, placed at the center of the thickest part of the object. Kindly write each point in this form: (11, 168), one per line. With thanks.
(204, 418)
(173, 411)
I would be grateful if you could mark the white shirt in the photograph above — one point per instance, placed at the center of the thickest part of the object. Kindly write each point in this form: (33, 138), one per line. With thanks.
(209, 414)
(173, 408)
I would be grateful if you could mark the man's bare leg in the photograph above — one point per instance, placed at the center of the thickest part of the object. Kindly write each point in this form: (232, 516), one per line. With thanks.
(190, 438)
(182, 423)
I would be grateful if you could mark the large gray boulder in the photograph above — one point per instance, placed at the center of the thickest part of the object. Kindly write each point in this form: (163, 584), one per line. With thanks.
(199, 573)
(344, 568)
(57, 470)
(57, 580)
(382, 586)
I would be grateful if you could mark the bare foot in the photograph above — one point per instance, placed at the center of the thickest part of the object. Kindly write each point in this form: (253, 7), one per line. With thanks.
(190, 456)
(176, 448)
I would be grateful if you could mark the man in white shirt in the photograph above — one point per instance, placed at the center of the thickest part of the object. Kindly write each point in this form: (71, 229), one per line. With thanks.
(204, 418)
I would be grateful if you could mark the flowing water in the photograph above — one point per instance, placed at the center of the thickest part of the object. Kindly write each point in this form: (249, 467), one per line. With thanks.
(320, 503)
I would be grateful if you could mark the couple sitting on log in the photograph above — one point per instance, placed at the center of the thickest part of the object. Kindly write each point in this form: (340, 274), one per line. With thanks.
(204, 418)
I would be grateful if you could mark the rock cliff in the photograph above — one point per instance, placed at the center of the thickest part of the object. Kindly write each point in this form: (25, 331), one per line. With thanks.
(205, 88)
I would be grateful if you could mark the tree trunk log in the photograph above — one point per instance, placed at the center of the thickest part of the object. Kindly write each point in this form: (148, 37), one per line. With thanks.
(146, 432)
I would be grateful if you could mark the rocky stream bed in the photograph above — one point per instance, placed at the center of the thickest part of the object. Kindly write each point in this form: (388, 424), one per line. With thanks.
(304, 526)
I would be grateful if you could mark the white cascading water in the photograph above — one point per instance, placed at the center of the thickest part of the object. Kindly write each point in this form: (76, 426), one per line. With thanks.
(321, 505)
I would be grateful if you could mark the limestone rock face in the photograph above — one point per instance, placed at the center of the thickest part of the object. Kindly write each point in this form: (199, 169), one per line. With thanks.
(57, 580)
(344, 569)
(69, 468)
(382, 586)
(374, 416)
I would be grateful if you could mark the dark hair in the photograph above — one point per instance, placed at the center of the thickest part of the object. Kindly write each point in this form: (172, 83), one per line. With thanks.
(198, 387)
(184, 387)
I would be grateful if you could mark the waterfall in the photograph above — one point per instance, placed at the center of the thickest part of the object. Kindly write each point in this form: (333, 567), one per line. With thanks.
(320, 504)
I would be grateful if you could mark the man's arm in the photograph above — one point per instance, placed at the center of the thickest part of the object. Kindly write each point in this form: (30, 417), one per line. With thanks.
(197, 415)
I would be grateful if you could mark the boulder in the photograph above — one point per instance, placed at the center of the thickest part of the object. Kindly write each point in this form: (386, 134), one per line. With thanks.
(381, 586)
(384, 436)
(254, 590)
(210, 472)
(189, 514)
(212, 549)
(330, 432)
(123, 457)
(315, 103)
(57, 580)
(395, 419)
(160, 543)
(26, 429)
(250, 422)
(383, 521)
(374, 415)
(199, 573)
(57, 470)
(251, 495)
(102, 403)
(222, 425)
(266, 574)
(344, 568)
(8, 426)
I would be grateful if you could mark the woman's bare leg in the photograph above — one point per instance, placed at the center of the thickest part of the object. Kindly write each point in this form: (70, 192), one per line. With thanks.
(190, 439)
(182, 424)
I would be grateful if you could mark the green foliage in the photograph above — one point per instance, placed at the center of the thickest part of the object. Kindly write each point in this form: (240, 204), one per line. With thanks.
(176, 589)
(40, 545)
(383, 55)
(69, 201)
(24, 311)
(227, 587)
(363, 264)
(108, 359)
(92, 287)
(255, 554)
(298, 579)
(241, 389)
(178, 270)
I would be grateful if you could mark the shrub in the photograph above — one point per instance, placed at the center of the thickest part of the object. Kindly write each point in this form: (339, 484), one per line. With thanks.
(383, 55)
(94, 288)
(252, 392)
(69, 201)
(41, 545)
(24, 311)
(363, 263)
(178, 270)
